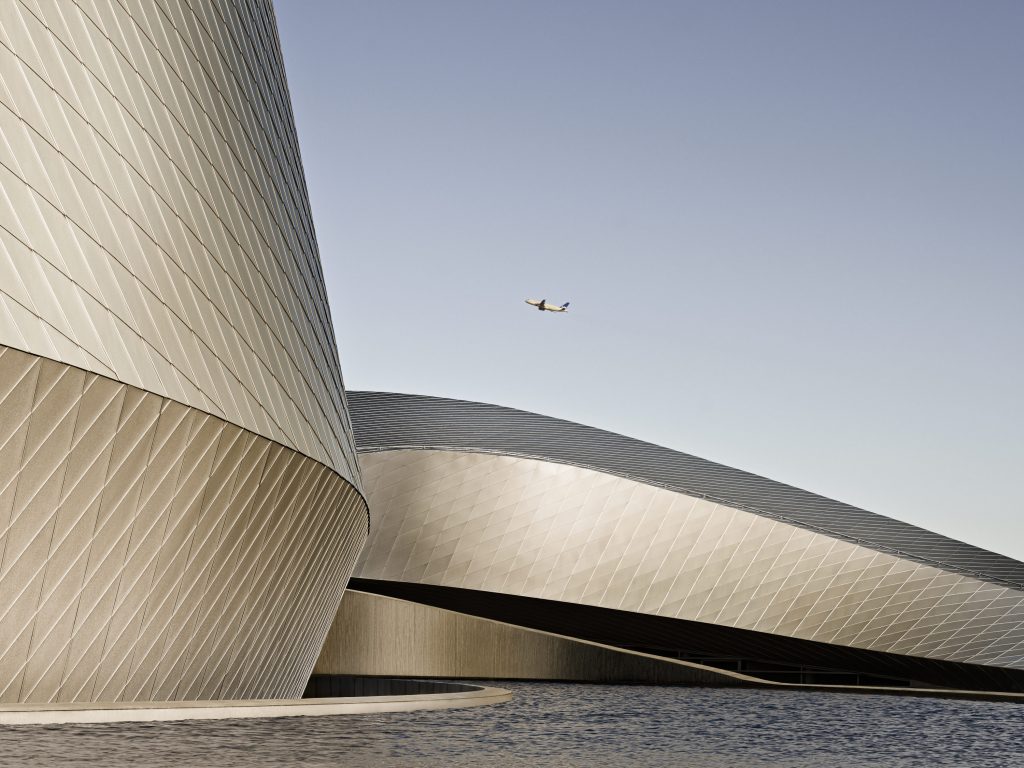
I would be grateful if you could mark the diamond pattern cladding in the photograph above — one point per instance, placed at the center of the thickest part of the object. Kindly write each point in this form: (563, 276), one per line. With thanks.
(385, 420)
(540, 529)
(149, 550)
(154, 222)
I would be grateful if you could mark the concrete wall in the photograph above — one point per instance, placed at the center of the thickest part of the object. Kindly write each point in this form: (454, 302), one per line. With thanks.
(375, 635)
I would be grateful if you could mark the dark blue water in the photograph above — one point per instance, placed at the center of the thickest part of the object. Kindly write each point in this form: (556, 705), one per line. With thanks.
(585, 726)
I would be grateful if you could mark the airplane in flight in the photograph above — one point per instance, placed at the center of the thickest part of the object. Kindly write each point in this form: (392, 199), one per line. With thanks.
(543, 305)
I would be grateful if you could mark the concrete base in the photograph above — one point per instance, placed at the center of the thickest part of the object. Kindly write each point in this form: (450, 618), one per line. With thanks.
(48, 714)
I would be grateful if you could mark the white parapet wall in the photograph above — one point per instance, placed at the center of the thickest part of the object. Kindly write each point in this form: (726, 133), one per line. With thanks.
(56, 714)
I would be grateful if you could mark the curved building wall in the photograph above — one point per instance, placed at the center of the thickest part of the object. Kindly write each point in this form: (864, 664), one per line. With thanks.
(154, 223)
(550, 530)
(179, 493)
(386, 421)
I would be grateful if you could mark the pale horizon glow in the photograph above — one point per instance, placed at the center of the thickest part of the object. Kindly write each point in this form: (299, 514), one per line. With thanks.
(792, 234)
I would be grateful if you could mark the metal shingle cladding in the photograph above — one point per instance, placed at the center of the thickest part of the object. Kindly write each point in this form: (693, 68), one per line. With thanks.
(389, 421)
(154, 221)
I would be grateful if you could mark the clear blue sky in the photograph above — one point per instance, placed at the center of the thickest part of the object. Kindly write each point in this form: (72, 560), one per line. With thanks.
(792, 233)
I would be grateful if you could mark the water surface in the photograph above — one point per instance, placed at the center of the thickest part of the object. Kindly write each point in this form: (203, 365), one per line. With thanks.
(572, 726)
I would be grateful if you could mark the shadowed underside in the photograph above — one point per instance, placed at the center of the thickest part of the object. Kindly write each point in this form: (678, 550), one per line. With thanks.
(378, 635)
(759, 655)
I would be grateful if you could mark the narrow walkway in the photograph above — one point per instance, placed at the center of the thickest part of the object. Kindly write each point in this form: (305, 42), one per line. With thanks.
(127, 712)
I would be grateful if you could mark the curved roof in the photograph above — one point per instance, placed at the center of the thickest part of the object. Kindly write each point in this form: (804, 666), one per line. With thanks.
(390, 421)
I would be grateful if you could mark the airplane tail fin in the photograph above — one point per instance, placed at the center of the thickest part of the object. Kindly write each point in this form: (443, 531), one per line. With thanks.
(566, 305)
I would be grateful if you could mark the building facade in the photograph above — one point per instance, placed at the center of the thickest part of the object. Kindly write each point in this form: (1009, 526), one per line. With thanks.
(180, 503)
(181, 500)
(558, 527)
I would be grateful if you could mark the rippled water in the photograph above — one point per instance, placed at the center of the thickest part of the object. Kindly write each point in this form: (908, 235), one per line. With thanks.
(591, 726)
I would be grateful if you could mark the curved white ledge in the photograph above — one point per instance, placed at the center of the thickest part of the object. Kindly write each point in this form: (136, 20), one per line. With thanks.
(148, 711)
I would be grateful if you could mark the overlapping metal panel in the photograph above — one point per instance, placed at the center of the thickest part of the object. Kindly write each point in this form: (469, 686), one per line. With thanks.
(154, 223)
(455, 509)
(179, 494)
(149, 550)
(386, 420)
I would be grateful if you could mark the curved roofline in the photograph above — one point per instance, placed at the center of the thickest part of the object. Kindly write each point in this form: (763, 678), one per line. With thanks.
(387, 421)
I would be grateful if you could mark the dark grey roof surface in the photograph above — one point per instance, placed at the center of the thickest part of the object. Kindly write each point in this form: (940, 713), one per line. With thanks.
(389, 421)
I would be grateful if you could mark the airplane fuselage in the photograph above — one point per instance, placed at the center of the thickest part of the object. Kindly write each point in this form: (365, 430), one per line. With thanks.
(543, 306)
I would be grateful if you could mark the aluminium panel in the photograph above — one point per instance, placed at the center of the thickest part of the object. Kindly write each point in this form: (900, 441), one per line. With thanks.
(532, 528)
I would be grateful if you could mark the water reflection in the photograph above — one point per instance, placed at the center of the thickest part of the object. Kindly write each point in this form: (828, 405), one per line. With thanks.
(589, 726)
